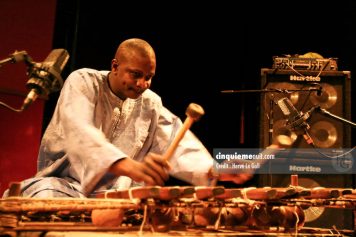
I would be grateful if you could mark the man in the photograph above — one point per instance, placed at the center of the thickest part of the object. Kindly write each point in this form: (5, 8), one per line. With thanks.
(110, 131)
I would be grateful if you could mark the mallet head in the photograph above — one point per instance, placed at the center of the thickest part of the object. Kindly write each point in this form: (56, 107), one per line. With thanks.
(194, 111)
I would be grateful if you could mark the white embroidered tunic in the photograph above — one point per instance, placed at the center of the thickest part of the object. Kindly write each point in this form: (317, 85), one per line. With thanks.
(92, 128)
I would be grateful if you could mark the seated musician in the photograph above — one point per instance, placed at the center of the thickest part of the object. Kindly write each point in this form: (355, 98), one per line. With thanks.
(110, 131)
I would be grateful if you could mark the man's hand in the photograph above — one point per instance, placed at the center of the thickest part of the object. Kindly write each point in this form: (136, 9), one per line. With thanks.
(153, 170)
(239, 178)
(236, 178)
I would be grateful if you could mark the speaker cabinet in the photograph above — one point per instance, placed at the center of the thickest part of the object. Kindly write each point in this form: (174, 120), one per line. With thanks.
(325, 131)
(335, 94)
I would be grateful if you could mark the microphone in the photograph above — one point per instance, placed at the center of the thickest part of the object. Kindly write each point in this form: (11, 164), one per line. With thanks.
(318, 88)
(296, 120)
(45, 77)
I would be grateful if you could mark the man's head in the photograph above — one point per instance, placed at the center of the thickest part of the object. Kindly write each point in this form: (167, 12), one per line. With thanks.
(132, 68)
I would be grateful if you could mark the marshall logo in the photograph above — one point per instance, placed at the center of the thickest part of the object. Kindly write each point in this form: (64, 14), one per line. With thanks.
(304, 78)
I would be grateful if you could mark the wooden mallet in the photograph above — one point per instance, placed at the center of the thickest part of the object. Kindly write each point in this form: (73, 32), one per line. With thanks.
(194, 113)
(114, 217)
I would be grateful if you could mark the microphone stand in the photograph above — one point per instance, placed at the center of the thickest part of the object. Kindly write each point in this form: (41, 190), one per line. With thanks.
(331, 115)
(272, 90)
(270, 116)
(16, 57)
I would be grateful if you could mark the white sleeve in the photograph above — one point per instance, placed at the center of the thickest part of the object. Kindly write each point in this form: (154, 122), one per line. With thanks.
(191, 161)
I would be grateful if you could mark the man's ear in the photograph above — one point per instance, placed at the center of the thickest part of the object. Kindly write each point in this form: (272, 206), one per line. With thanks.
(114, 63)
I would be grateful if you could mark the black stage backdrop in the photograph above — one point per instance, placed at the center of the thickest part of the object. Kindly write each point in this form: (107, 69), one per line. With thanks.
(205, 47)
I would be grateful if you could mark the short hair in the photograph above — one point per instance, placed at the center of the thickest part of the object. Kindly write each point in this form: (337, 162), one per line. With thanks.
(136, 45)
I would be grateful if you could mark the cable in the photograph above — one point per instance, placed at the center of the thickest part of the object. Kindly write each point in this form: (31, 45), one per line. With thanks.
(337, 156)
(10, 108)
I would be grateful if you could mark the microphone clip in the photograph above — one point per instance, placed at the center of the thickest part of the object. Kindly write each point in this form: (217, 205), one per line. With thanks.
(44, 77)
(299, 122)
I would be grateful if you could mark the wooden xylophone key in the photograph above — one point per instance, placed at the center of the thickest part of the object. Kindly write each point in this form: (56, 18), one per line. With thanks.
(264, 193)
(349, 193)
(229, 193)
(285, 192)
(168, 193)
(322, 193)
(186, 191)
(205, 192)
(260, 193)
(143, 192)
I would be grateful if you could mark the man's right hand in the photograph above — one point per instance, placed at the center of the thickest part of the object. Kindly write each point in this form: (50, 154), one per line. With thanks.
(153, 170)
